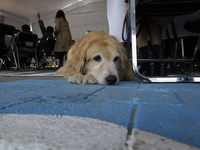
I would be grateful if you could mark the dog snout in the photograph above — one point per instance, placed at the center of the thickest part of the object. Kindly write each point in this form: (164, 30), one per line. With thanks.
(111, 79)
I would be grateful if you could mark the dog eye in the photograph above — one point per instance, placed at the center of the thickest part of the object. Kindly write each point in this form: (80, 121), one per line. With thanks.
(116, 58)
(97, 58)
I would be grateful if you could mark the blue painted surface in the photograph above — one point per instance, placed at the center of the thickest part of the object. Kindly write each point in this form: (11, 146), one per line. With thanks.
(170, 110)
(179, 123)
(61, 98)
(178, 119)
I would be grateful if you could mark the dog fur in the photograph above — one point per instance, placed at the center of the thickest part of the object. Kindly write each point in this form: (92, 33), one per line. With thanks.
(97, 58)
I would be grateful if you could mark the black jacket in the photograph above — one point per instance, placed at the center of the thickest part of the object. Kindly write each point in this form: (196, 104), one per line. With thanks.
(45, 35)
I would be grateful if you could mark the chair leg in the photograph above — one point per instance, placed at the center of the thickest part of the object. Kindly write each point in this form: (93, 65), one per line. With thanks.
(195, 55)
(18, 62)
(16, 66)
(13, 53)
(36, 58)
(1, 63)
(53, 60)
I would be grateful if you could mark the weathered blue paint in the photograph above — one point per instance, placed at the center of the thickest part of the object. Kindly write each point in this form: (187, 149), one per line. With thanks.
(61, 98)
(178, 118)
(170, 110)
(180, 123)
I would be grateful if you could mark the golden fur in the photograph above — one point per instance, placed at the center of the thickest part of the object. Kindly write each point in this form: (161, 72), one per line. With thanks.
(97, 58)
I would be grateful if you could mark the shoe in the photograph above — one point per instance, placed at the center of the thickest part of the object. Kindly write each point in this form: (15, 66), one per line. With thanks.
(149, 67)
(157, 52)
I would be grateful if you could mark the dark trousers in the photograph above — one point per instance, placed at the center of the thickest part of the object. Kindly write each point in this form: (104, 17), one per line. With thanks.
(60, 55)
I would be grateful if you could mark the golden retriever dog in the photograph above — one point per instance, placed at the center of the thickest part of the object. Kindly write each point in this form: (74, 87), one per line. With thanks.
(97, 58)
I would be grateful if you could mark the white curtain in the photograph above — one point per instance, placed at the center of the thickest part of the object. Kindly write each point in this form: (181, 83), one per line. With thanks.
(116, 14)
(92, 16)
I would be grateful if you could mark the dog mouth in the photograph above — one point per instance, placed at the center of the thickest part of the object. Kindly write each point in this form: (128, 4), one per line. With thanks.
(111, 79)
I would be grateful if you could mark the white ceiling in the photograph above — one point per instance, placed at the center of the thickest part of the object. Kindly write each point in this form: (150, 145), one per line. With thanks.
(28, 9)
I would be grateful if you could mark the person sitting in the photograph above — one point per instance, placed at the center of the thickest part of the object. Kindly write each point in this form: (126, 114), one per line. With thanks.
(2, 41)
(4, 58)
(2, 45)
(149, 43)
(26, 28)
(46, 33)
(25, 61)
(151, 32)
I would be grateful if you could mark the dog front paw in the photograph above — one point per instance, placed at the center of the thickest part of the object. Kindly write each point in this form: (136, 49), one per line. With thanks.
(89, 79)
(76, 79)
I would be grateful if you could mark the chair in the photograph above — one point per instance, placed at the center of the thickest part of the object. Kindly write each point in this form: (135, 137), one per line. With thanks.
(7, 51)
(161, 8)
(26, 46)
(47, 51)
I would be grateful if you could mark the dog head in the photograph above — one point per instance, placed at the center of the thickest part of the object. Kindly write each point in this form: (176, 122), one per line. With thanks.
(102, 56)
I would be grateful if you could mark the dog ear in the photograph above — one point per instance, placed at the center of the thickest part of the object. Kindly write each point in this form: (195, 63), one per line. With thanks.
(125, 70)
(80, 61)
(75, 61)
(77, 58)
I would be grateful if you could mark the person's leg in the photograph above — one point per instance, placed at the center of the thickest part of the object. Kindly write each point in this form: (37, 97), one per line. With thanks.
(57, 56)
(155, 34)
(145, 51)
(154, 31)
(142, 39)
(39, 55)
(61, 59)
(60, 56)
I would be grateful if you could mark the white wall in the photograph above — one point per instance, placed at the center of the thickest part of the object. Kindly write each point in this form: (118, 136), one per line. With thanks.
(1, 17)
(90, 17)
(14, 20)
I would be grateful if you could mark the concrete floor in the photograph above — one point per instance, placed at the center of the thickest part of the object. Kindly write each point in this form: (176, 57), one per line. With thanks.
(41, 111)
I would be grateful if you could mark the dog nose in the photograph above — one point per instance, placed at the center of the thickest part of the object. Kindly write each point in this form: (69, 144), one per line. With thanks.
(111, 79)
